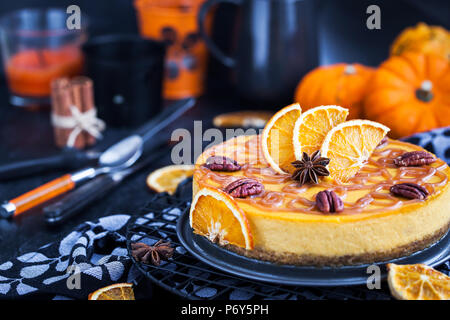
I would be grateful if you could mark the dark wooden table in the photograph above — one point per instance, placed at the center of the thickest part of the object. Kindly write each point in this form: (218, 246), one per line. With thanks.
(25, 134)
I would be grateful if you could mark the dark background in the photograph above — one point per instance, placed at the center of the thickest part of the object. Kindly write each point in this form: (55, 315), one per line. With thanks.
(343, 37)
(342, 23)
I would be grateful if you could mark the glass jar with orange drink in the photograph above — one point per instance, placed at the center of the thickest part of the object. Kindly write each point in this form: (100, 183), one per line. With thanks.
(37, 48)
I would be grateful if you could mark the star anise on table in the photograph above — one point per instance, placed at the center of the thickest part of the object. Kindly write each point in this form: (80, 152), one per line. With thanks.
(310, 168)
(151, 254)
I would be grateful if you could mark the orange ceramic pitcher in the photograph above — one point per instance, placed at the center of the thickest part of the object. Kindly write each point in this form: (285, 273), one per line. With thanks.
(175, 23)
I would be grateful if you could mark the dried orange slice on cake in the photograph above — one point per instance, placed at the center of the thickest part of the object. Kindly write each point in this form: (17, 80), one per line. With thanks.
(225, 224)
(117, 291)
(417, 282)
(276, 139)
(349, 145)
(313, 125)
(166, 179)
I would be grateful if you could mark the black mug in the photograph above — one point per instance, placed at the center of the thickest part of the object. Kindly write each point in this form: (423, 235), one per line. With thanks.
(127, 71)
(276, 47)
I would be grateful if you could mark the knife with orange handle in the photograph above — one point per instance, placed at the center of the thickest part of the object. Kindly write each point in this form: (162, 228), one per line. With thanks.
(118, 157)
(39, 195)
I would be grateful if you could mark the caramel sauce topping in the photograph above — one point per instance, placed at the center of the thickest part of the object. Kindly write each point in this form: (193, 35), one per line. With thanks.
(366, 192)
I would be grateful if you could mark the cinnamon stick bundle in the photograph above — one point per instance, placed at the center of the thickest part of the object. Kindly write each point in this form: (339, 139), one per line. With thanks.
(83, 96)
(73, 112)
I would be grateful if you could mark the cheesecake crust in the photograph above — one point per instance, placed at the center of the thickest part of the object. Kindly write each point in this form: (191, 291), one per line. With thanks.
(339, 261)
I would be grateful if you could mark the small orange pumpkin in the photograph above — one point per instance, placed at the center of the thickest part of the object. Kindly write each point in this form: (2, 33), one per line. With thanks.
(423, 38)
(410, 93)
(339, 84)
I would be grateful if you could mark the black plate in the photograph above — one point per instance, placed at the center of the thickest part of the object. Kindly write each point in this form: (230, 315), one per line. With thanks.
(233, 263)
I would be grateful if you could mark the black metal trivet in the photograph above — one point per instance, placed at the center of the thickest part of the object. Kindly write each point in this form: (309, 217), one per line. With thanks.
(190, 278)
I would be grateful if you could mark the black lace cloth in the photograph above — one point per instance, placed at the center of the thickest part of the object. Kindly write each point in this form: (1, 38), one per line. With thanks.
(97, 254)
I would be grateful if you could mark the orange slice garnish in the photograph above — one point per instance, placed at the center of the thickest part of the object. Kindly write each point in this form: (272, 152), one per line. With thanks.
(417, 282)
(215, 215)
(166, 179)
(117, 291)
(276, 141)
(349, 146)
(313, 125)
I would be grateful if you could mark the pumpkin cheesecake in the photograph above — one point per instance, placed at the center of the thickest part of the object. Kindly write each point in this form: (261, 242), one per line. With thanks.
(374, 223)
(315, 189)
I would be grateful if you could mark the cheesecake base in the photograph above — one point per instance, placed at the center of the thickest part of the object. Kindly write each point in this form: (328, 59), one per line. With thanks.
(338, 261)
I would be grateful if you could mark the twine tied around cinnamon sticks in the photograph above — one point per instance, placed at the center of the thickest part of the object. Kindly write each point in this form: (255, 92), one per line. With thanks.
(74, 116)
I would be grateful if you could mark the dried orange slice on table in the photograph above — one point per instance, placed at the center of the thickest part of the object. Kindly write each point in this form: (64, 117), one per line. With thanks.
(246, 119)
(117, 291)
(313, 125)
(417, 282)
(276, 139)
(349, 145)
(215, 215)
(166, 179)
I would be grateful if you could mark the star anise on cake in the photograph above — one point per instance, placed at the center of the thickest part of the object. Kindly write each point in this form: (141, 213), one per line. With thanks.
(310, 168)
(151, 254)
